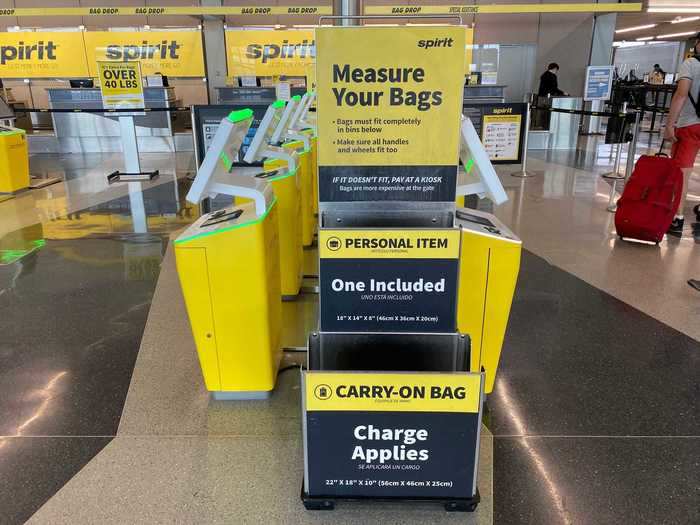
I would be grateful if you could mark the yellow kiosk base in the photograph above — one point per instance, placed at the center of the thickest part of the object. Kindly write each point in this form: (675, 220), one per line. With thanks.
(286, 190)
(229, 273)
(488, 272)
(314, 172)
(14, 160)
(305, 160)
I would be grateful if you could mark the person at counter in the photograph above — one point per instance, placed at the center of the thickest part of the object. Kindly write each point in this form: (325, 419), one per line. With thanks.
(549, 84)
(657, 75)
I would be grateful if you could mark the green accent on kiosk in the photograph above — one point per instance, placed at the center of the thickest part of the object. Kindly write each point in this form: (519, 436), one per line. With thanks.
(241, 114)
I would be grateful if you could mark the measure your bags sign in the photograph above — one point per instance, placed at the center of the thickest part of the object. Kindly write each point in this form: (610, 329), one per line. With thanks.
(409, 435)
(388, 280)
(121, 85)
(389, 102)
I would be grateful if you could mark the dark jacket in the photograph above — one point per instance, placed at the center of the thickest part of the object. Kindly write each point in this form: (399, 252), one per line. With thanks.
(548, 85)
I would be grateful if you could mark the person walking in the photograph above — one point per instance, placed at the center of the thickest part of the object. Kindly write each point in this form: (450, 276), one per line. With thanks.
(683, 127)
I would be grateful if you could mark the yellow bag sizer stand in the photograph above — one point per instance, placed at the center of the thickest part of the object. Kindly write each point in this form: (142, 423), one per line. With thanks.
(14, 160)
(488, 272)
(228, 264)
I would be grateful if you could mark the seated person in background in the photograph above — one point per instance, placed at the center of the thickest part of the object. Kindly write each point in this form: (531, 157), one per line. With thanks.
(549, 86)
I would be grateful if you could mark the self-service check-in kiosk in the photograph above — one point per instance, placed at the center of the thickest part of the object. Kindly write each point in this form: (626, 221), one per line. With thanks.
(489, 260)
(228, 264)
(283, 169)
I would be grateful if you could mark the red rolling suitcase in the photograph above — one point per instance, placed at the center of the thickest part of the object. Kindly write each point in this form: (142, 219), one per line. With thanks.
(650, 199)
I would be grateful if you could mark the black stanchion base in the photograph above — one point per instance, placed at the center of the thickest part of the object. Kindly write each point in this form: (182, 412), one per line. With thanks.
(120, 176)
(449, 504)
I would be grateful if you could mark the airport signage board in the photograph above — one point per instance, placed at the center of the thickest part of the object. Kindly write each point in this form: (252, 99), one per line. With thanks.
(58, 54)
(384, 435)
(171, 53)
(269, 53)
(315, 10)
(121, 85)
(45, 54)
(375, 280)
(501, 128)
(388, 112)
(599, 81)
(461, 9)
(250, 10)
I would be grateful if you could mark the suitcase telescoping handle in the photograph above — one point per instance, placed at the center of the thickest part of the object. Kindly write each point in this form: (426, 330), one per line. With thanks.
(661, 149)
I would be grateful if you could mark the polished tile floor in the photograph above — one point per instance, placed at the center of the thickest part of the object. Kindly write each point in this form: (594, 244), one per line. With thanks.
(103, 416)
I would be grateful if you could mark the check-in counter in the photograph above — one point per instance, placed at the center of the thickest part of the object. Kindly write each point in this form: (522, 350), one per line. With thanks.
(484, 93)
(563, 128)
(95, 132)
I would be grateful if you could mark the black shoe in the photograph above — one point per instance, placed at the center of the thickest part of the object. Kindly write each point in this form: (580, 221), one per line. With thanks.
(676, 227)
(695, 284)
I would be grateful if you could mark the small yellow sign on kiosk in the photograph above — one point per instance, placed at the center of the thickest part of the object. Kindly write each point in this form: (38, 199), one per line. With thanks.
(121, 84)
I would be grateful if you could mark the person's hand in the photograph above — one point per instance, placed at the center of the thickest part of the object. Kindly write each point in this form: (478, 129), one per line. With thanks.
(670, 133)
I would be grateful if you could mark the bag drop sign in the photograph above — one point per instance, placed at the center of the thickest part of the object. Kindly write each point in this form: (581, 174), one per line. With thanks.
(388, 280)
(388, 112)
(391, 435)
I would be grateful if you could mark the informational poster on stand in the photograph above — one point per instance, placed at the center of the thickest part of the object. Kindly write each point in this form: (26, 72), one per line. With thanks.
(598, 83)
(500, 135)
(388, 112)
(501, 128)
(121, 85)
(388, 280)
(410, 435)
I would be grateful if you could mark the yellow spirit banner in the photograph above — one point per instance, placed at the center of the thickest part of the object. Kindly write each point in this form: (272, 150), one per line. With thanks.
(42, 55)
(269, 53)
(172, 53)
